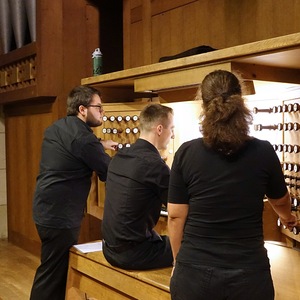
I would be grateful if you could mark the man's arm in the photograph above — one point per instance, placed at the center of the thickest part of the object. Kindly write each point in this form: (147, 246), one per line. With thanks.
(109, 144)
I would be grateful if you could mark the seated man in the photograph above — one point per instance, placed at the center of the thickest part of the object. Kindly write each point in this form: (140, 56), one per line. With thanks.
(136, 187)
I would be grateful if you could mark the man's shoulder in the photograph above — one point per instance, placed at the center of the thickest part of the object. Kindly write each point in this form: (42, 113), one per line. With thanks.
(136, 157)
(62, 122)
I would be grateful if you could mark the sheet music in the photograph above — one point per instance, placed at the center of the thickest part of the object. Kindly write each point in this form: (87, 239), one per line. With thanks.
(89, 247)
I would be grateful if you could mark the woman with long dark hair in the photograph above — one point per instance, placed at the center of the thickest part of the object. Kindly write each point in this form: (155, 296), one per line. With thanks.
(215, 203)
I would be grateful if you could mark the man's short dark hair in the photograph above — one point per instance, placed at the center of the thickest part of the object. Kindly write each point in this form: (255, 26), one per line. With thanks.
(80, 95)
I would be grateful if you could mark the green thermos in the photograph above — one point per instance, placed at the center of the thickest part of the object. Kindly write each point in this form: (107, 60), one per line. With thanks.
(97, 62)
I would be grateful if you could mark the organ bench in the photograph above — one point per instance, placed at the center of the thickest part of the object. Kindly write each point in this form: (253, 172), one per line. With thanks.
(91, 274)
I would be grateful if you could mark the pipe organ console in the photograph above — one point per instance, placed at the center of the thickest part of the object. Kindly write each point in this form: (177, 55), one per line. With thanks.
(175, 83)
(277, 123)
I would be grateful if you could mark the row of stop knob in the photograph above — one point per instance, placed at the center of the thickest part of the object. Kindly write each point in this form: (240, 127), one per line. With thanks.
(127, 130)
(120, 118)
(296, 229)
(292, 185)
(295, 201)
(287, 166)
(292, 107)
(286, 148)
(280, 126)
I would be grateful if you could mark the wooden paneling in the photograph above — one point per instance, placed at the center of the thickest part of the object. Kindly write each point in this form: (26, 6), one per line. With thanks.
(77, 48)
(23, 149)
(183, 24)
(134, 3)
(18, 74)
(136, 46)
(126, 34)
(267, 73)
(159, 6)
(43, 58)
(49, 40)
(147, 32)
(181, 79)
(136, 13)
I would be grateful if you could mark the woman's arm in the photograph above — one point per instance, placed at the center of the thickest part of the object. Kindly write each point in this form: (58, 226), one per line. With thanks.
(282, 207)
(177, 214)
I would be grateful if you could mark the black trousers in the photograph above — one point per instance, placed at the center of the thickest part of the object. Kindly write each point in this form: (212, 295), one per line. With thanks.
(197, 282)
(146, 255)
(51, 276)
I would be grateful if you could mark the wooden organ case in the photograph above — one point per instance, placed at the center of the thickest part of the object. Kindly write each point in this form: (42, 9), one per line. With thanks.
(174, 83)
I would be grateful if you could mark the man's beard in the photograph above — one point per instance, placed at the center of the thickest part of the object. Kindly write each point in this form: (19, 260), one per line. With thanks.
(94, 123)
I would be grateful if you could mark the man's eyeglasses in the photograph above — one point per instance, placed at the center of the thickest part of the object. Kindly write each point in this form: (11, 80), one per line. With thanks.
(100, 107)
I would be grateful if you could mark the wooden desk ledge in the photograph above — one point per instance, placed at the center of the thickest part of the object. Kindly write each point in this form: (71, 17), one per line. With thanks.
(91, 274)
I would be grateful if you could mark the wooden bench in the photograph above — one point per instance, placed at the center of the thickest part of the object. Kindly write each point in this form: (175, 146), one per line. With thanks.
(90, 274)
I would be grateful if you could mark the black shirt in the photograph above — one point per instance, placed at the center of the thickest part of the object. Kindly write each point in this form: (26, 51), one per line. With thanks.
(225, 197)
(136, 186)
(70, 153)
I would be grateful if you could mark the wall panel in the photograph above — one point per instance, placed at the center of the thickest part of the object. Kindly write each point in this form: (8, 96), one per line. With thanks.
(177, 26)
(136, 45)
(23, 147)
(159, 6)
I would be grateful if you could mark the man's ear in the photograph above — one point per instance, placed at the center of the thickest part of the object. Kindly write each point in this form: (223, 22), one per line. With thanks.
(159, 129)
(82, 110)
